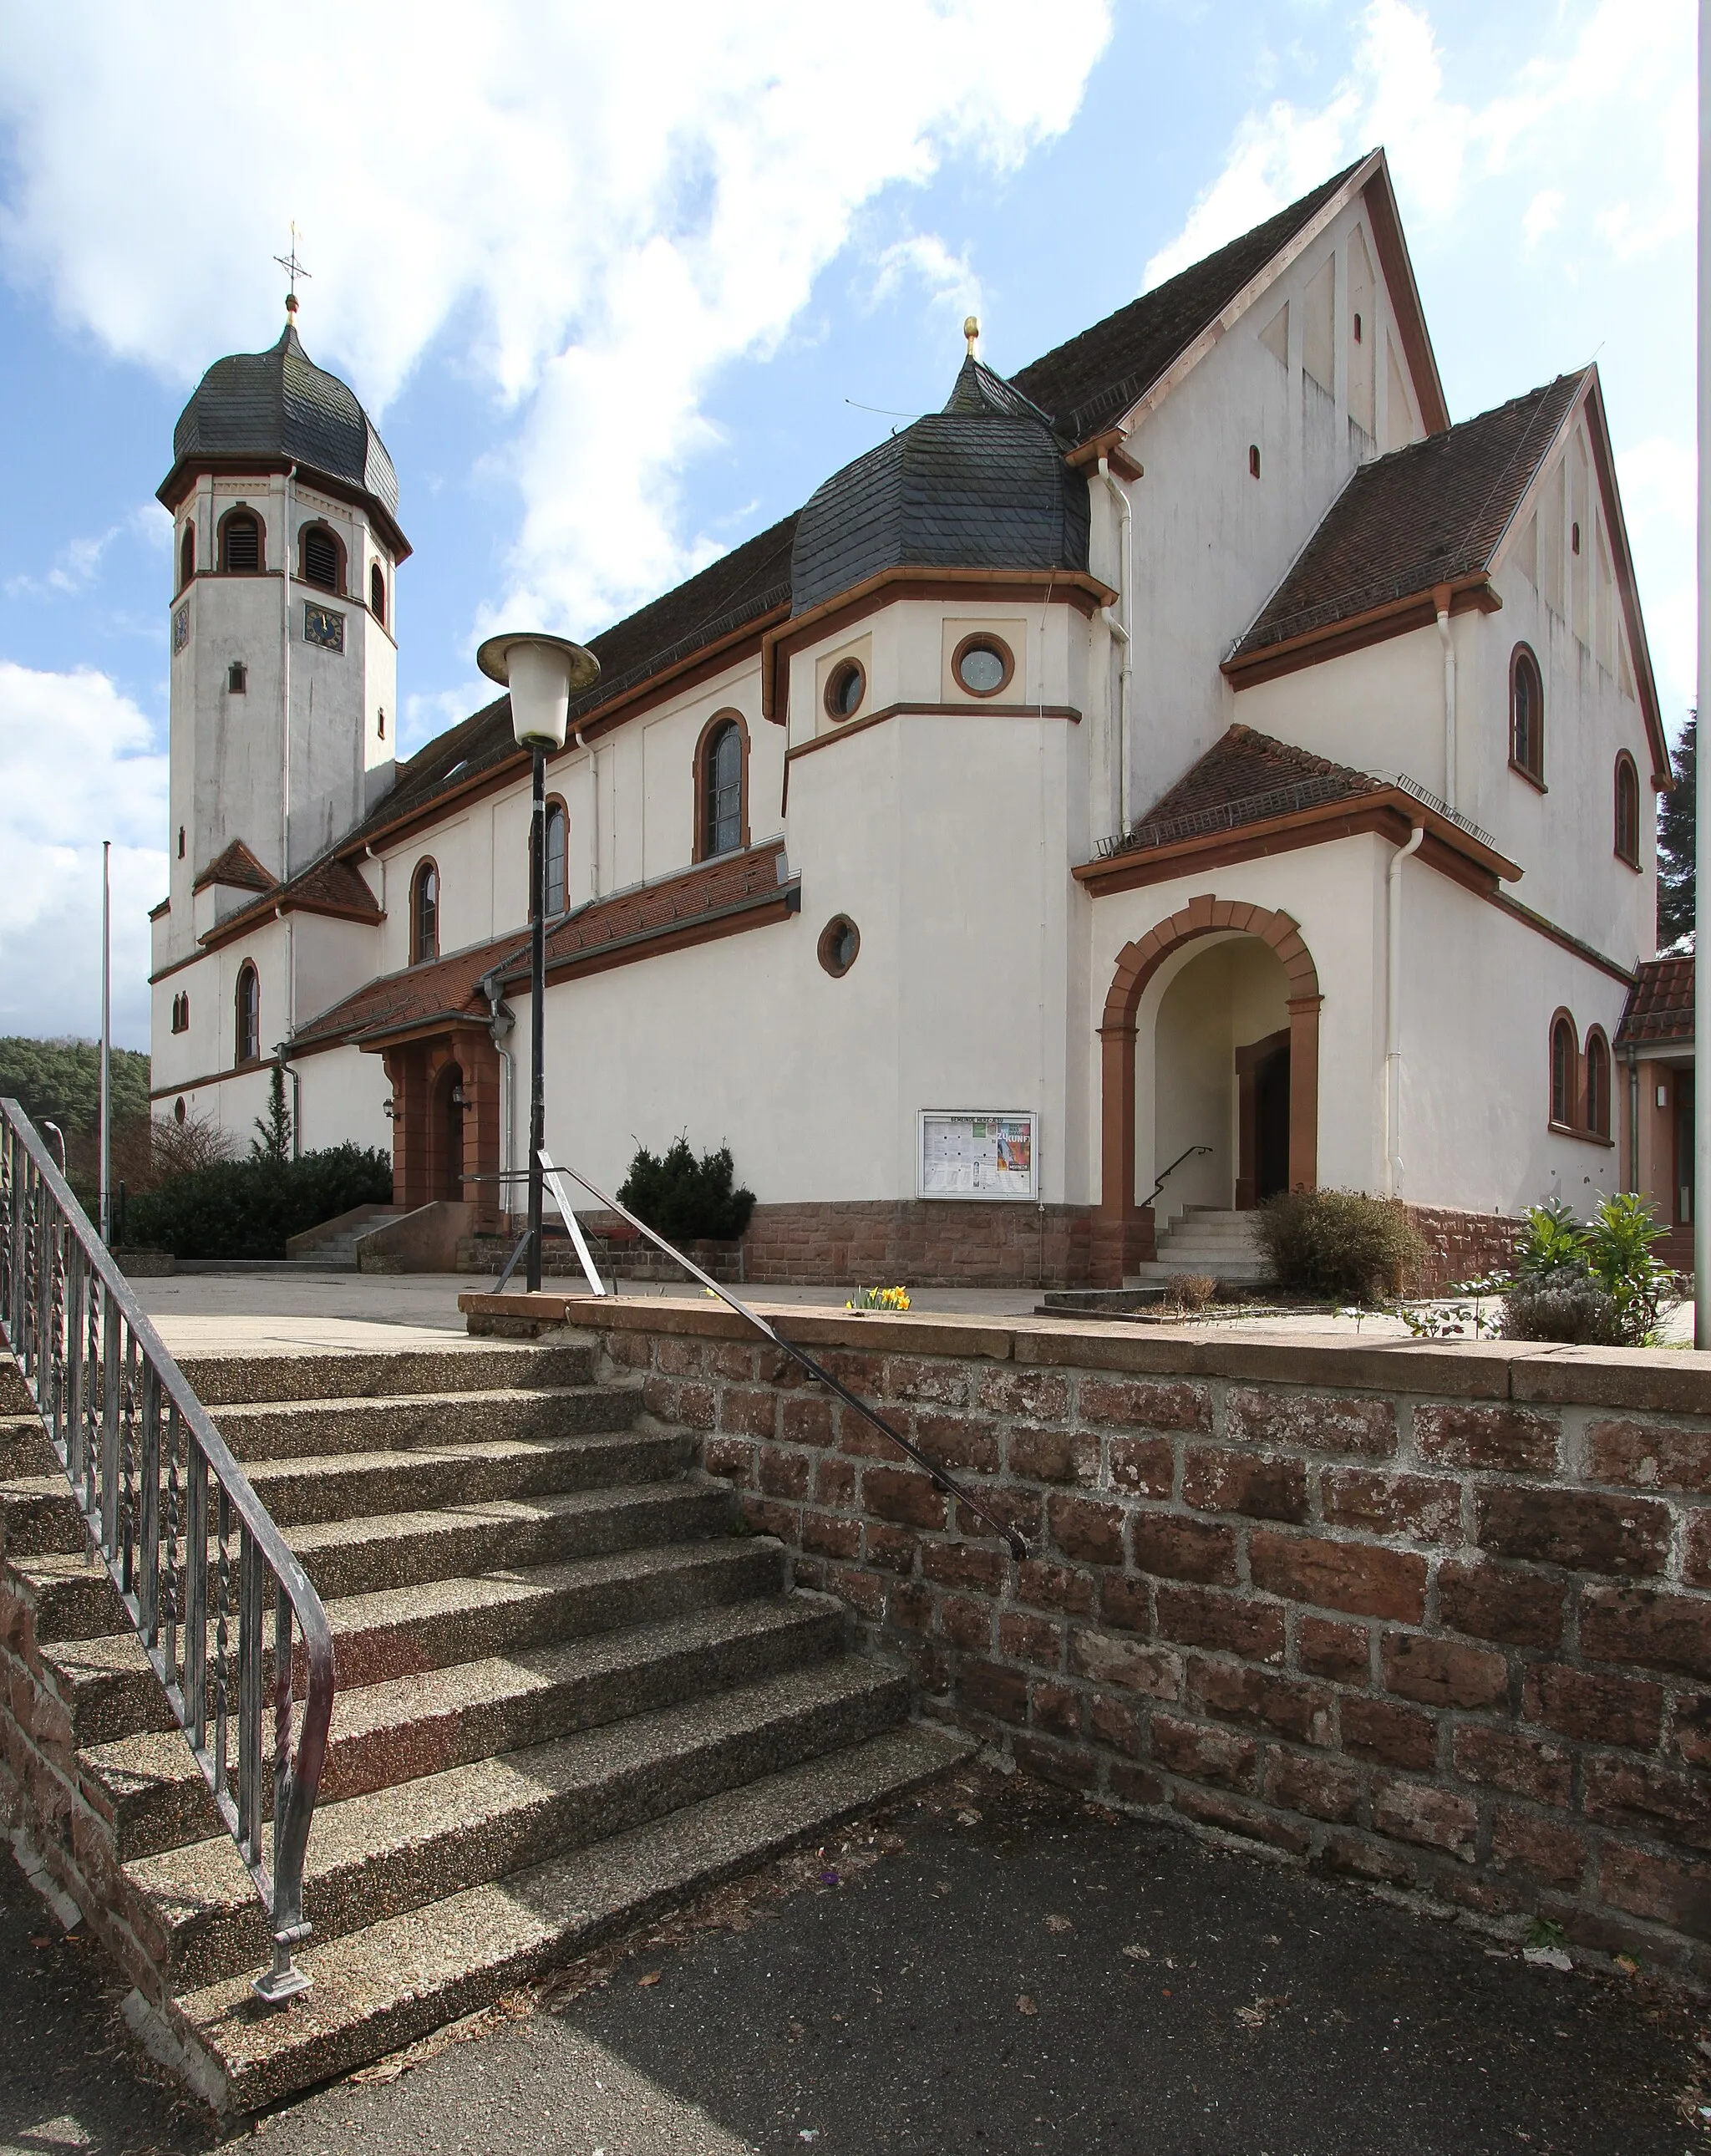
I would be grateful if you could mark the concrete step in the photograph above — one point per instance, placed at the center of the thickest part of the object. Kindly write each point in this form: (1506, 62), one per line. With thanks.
(68, 1596)
(395, 1850)
(151, 1792)
(221, 1381)
(110, 1690)
(302, 1429)
(1237, 1272)
(381, 1987)
(1202, 1236)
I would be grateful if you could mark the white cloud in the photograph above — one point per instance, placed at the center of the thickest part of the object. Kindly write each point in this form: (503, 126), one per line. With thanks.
(78, 764)
(950, 280)
(611, 202)
(1543, 215)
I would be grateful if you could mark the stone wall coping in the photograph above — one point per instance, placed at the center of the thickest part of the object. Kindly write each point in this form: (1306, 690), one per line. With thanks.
(1670, 1381)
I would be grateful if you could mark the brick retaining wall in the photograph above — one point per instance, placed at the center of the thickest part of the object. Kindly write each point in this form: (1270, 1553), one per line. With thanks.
(1437, 1617)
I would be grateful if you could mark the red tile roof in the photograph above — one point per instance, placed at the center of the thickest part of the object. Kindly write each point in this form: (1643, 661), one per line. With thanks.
(238, 868)
(1660, 1005)
(704, 894)
(446, 989)
(1244, 778)
(328, 885)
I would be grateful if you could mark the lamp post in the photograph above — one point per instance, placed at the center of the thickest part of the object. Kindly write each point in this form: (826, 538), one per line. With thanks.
(542, 673)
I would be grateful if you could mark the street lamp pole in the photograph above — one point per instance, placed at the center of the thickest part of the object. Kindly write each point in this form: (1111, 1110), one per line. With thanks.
(542, 673)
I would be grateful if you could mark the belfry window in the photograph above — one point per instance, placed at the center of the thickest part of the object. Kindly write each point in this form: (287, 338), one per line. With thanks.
(320, 558)
(240, 542)
(424, 914)
(186, 556)
(377, 593)
(249, 1014)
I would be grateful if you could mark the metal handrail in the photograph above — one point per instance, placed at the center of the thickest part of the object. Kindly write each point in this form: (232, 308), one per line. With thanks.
(552, 1172)
(139, 1450)
(1187, 1153)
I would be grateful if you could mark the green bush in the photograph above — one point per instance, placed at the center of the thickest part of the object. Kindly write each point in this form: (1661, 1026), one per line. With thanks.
(1340, 1244)
(247, 1208)
(1577, 1279)
(686, 1199)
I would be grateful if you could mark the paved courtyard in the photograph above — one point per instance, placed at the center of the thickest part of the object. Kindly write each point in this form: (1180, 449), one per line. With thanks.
(992, 1967)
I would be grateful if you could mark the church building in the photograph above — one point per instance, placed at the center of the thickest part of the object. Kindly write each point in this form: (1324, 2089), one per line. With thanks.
(1189, 768)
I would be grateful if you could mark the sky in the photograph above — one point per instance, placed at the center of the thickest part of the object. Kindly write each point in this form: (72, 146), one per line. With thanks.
(620, 286)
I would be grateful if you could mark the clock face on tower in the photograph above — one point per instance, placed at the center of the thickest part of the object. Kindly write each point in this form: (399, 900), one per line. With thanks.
(324, 626)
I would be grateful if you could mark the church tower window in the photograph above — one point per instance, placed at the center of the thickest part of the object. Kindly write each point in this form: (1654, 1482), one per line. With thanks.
(377, 593)
(249, 1014)
(241, 552)
(237, 678)
(186, 556)
(424, 914)
(322, 558)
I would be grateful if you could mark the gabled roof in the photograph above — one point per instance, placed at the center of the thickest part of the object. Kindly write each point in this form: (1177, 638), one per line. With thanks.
(1244, 778)
(328, 885)
(1660, 1007)
(237, 868)
(1428, 515)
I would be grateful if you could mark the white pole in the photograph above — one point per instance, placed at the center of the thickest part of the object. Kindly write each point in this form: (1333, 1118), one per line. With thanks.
(1702, 804)
(1703, 786)
(106, 1203)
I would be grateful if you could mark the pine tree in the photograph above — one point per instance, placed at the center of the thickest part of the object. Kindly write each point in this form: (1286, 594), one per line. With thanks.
(1675, 845)
(273, 1142)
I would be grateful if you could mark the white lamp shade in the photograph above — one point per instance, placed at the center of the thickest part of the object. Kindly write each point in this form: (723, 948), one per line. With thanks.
(542, 673)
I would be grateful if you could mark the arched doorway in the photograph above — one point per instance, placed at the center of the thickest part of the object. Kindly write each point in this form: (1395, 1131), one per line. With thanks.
(448, 1102)
(1252, 1035)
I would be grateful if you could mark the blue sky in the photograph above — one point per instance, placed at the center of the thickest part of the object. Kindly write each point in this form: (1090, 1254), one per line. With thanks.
(616, 296)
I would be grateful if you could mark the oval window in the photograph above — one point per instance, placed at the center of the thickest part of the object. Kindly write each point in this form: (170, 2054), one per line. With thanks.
(845, 687)
(840, 940)
(983, 666)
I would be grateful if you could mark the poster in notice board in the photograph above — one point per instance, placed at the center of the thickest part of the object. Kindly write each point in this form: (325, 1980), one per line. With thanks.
(980, 1153)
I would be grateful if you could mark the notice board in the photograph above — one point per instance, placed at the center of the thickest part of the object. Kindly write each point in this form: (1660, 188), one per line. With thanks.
(978, 1153)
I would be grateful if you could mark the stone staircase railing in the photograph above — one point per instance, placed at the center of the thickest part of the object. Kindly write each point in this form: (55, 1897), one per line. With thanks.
(162, 1499)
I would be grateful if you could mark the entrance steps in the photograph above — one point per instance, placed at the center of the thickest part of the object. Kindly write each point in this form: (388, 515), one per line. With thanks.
(1205, 1238)
(571, 1691)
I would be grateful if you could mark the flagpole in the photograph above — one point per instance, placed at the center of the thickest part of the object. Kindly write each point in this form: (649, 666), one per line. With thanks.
(106, 1205)
(1701, 801)
(1703, 775)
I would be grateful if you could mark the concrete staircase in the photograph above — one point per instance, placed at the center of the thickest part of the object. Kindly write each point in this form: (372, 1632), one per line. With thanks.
(1204, 1239)
(332, 1248)
(571, 1692)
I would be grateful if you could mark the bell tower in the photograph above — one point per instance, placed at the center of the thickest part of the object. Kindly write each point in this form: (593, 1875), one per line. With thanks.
(283, 628)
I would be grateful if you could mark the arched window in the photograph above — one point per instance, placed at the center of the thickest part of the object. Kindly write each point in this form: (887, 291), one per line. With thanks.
(1526, 715)
(1627, 811)
(248, 1039)
(181, 1012)
(181, 841)
(424, 913)
(558, 830)
(321, 558)
(1565, 1059)
(186, 556)
(720, 786)
(377, 593)
(1597, 1084)
(240, 542)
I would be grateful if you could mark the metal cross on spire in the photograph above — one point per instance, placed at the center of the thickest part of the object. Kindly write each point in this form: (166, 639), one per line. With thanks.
(295, 269)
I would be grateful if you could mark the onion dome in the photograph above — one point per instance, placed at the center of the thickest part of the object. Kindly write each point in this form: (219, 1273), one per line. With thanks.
(267, 410)
(983, 484)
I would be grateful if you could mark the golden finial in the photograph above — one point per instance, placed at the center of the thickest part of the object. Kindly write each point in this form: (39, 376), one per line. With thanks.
(972, 330)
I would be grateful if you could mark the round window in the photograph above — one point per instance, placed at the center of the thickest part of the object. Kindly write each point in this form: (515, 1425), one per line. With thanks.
(845, 687)
(840, 940)
(178, 1109)
(983, 666)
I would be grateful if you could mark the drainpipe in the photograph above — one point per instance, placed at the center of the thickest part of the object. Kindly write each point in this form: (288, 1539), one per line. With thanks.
(499, 1022)
(1633, 1064)
(1393, 1016)
(1120, 630)
(594, 789)
(1441, 597)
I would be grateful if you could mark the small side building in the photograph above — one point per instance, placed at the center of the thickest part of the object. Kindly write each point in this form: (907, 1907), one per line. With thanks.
(1654, 1047)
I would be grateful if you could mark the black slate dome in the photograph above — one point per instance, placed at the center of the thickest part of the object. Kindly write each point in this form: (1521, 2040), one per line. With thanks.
(983, 484)
(278, 406)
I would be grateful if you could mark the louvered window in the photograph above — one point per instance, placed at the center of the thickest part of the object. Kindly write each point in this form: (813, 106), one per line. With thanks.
(240, 543)
(377, 593)
(320, 558)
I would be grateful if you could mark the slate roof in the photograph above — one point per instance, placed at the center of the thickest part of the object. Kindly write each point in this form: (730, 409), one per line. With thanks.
(278, 406)
(1244, 778)
(1433, 513)
(237, 868)
(1660, 1005)
(981, 485)
(1087, 384)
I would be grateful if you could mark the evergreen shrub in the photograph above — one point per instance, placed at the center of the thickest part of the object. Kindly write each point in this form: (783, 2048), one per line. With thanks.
(247, 1208)
(685, 1200)
(1339, 1244)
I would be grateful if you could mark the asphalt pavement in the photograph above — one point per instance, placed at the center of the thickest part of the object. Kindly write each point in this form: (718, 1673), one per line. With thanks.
(990, 1968)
